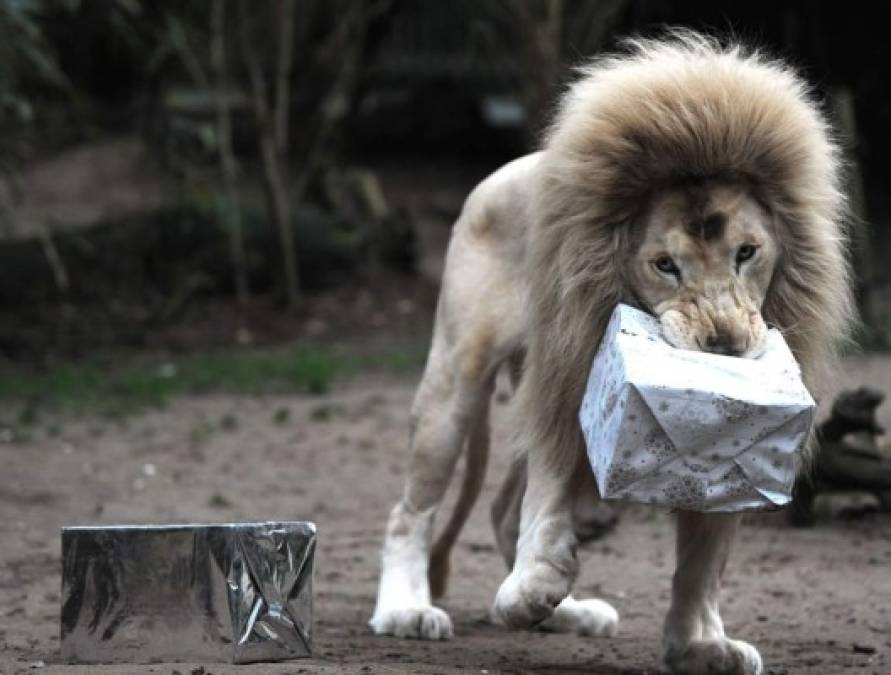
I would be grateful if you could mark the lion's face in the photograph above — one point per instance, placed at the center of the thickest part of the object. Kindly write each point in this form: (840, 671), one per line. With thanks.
(704, 265)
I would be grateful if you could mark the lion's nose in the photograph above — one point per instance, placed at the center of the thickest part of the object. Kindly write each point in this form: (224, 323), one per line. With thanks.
(722, 343)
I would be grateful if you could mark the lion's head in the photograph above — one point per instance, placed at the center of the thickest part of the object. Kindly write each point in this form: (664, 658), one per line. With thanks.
(700, 183)
(702, 261)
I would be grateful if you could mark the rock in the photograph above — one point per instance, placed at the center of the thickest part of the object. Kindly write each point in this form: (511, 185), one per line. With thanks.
(847, 504)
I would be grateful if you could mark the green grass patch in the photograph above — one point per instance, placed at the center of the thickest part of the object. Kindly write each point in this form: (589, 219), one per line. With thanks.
(119, 385)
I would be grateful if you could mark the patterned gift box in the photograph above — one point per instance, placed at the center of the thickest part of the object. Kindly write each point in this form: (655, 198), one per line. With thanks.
(692, 430)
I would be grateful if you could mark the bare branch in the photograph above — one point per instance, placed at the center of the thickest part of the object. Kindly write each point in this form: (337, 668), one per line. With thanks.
(346, 41)
(180, 40)
(593, 22)
(274, 159)
(252, 63)
(53, 259)
(283, 74)
(228, 164)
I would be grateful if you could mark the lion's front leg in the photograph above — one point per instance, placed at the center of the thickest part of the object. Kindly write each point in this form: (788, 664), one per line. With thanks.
(546, 563)
(694, 642)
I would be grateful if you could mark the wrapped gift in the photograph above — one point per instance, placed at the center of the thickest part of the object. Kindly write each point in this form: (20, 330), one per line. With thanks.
(689, 429)
(236, 592)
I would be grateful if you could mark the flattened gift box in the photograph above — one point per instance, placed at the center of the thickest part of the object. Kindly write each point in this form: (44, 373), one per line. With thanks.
(235, 592)
(693, 430)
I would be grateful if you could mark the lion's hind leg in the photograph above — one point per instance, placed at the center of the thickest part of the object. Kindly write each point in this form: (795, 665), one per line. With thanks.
(452, 395)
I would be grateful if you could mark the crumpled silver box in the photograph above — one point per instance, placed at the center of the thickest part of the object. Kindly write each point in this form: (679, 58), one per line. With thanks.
(234, 592)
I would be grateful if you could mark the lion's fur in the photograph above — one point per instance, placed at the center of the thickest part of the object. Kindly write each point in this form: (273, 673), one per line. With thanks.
(668, 112)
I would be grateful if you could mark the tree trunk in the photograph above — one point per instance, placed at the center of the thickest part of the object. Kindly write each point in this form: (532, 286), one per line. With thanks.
(277, 196)
(273, 137)
(230, 212)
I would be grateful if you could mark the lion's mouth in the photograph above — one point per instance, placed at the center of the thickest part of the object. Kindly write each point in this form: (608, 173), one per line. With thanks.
(747, 351)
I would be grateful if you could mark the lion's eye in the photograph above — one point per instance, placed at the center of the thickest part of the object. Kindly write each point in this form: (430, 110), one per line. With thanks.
(667, 265)
(745, 252)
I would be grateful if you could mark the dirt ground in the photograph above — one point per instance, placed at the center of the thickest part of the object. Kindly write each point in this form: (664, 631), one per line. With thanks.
(814, 600)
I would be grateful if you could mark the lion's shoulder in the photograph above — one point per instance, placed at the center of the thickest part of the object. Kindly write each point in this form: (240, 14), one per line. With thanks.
(498, 207)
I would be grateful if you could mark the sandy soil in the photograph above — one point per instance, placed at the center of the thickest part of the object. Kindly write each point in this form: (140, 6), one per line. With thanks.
(815, 600)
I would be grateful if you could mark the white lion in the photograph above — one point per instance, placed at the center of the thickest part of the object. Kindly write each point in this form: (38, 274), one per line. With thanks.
(694, 181)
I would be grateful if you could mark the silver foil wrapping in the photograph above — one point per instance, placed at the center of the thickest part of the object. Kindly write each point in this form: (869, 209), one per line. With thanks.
(236, 592)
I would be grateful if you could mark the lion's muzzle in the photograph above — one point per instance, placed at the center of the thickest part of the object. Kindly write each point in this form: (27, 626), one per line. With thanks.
(725, 328)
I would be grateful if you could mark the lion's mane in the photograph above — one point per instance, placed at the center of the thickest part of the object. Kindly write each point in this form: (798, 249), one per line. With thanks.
(664, 112)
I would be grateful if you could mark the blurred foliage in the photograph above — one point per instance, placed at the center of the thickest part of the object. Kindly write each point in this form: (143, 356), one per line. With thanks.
(148, 67)
(116, 386)
(27, 61)
(25, 57)
(368, 81)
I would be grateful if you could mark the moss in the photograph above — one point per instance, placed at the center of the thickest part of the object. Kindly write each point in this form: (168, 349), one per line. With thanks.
(116, 385)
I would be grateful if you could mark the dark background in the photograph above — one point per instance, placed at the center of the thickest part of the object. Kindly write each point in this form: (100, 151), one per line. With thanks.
(219, 260)
(116, 217)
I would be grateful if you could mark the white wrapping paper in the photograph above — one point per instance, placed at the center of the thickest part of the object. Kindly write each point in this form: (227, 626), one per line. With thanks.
(692, 430)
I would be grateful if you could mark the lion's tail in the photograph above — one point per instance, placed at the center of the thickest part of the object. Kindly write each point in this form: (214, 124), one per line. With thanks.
(477, 457)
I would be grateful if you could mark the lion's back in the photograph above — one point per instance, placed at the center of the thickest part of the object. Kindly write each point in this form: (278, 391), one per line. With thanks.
(496, 212)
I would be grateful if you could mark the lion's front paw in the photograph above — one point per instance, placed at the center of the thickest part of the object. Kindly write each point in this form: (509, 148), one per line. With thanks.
(424, 623)
(529, 595)
(718, 656)
(591, 617)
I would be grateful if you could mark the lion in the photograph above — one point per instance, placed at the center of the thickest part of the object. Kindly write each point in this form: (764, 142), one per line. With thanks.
(694, 180)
